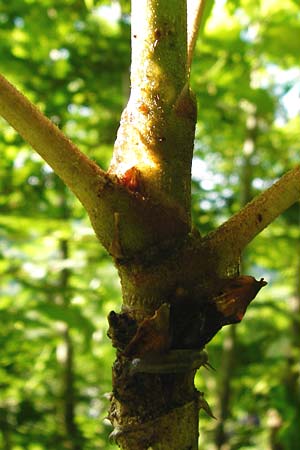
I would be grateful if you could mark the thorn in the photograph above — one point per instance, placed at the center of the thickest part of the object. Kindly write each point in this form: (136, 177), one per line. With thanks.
(202, 404)
(208, 366)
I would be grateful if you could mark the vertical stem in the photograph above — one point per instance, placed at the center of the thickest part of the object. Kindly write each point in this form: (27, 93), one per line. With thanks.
(155, 143)
(159, 49)
(156, 133)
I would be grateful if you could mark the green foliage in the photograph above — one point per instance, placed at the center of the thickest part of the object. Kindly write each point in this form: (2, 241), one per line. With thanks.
(74, 64)
(240, 73)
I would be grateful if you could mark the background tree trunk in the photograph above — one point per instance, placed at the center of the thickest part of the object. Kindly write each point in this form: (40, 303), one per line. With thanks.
(5, 428)
(231, 339)
(66, 415)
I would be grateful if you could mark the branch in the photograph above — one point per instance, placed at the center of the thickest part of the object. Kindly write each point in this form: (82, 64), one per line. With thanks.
(78, 172)
(195, 9)
(233, 236)
(125, 222)
(197, 14)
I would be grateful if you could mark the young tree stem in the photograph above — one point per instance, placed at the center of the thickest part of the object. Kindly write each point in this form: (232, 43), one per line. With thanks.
(156, 133)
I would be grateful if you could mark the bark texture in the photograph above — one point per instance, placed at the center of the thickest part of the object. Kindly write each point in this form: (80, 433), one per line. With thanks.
(178, 292)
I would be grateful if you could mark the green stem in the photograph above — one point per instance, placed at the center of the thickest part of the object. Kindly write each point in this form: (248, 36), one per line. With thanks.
(141, 224)
(233, 236)
(159, 53)
(156, 134)
(194, 17)
(78, 172)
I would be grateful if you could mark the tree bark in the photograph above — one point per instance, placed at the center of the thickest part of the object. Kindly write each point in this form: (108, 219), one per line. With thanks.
(169, 309)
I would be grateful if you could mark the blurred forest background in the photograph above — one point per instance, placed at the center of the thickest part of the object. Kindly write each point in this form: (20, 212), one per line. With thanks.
(57, 285)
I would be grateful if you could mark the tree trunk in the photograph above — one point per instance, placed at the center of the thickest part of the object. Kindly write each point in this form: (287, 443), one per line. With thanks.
(225, 393)
(291, 375)
(155, 141)
(230, 341)
(178, 291)
(5, 428)
(71, 434)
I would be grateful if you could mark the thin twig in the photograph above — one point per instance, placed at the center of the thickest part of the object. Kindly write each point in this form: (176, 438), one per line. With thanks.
(195, 10)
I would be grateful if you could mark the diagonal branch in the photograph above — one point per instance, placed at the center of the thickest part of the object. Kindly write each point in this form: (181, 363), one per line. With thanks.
(233, 236)
(197, 13)
(78, 172)
(195, 9)
(125, 222)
